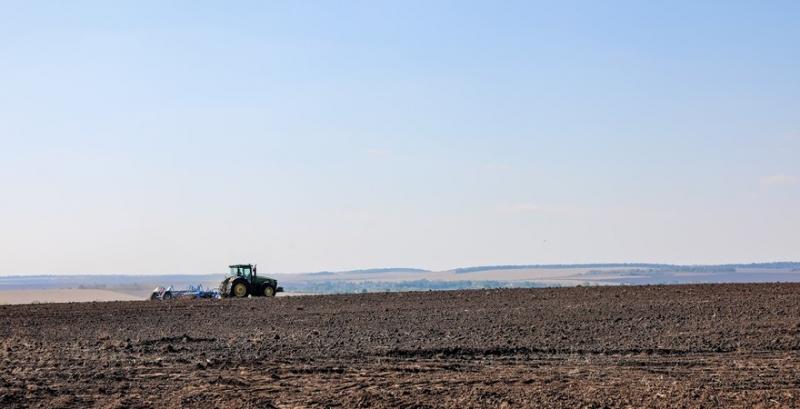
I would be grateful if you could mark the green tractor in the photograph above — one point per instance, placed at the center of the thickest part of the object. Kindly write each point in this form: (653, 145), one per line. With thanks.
(243, 280)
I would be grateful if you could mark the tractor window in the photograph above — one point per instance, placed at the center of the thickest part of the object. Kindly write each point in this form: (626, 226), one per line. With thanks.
(242, 271)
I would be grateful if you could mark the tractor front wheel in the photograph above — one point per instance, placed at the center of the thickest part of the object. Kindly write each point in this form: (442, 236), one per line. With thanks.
(239, 290)
(269, 291)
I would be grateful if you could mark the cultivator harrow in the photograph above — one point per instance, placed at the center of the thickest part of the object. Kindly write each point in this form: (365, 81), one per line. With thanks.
(193, 292)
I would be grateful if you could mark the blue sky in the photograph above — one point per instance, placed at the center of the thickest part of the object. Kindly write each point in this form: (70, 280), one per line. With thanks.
(150, 137)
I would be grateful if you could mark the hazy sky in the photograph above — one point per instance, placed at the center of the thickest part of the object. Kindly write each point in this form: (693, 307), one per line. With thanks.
(178, 137)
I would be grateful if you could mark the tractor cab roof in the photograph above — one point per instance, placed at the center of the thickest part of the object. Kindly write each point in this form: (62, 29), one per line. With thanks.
(241, 266)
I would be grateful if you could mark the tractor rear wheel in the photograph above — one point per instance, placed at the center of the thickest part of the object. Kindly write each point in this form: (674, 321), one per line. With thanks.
(269, 291)
(239, 290)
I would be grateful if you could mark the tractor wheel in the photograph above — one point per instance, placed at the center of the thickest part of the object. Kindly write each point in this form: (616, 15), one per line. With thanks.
(269, 291)
(167, 296)
(239, 290)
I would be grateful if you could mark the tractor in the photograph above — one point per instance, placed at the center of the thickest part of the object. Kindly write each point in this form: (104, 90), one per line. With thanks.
(243, 280)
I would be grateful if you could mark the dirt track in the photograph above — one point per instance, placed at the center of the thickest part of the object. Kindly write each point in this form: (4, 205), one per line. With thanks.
(696, 346)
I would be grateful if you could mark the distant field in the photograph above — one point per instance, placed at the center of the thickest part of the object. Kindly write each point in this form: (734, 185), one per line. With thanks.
(64, 295)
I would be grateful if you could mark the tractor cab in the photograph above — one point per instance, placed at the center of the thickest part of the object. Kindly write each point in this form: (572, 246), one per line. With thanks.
(246, 271)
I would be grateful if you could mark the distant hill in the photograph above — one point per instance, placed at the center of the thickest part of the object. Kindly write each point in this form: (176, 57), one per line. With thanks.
(387, 270)
(368, 271)
(100, 281)
(648, 266)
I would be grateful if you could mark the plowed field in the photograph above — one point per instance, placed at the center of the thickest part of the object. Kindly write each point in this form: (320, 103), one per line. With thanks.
(659, 346)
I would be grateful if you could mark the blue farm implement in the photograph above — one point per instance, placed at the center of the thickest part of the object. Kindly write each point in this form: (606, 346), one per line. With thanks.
(193, 292)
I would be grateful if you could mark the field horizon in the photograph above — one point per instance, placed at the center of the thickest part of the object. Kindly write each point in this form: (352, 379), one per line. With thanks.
(124, 287)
